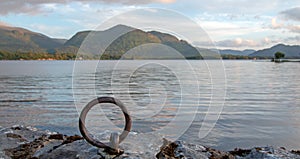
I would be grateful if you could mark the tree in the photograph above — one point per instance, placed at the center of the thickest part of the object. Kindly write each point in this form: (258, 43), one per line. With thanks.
(279, 55)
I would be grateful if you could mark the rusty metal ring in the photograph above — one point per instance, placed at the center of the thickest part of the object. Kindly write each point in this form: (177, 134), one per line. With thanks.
(87, 108)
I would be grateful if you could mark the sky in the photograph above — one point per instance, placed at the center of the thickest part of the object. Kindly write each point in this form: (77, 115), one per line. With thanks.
(230, 24)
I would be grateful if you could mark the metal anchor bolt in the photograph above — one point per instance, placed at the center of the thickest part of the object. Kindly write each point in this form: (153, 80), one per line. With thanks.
(112, 148)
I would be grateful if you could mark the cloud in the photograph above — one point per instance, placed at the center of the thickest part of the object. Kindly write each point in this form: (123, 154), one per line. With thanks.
(291, 14)
(287, 20)
(294, 28)
(240, 43)
(295, 39)
(165, 1)
(235, 7)
(7, 7)
(33, 7)
(4, 24)
(275, 24)
(52, 31)
(222, 26)
(237, 43)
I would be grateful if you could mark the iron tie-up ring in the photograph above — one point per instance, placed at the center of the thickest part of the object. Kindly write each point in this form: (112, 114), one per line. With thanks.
(88, 107)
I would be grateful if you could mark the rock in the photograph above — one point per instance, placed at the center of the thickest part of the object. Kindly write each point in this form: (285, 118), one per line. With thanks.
(296, 152)
(15, 136)
(267, 152)
(167, 150)
(70, 139)
(56, 136)
(239, 152)
(180, 150)
(78, 149)
(216, 154)
(29, 142)
(26, 150)
(16, 127)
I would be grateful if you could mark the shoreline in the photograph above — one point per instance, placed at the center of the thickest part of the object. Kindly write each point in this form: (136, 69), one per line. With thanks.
(29, 142)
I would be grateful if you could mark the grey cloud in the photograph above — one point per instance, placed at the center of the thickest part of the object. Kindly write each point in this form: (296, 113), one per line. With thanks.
(7, 7)
(293, 13)
(295, 39)
(294, 28)
(287, 20)
(35, 6)
(220, 6)
(238, 43)
(291, 28)
(227, 43)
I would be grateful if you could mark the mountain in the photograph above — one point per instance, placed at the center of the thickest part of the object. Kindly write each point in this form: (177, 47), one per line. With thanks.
(14, 39)
(290, 51)
(20, 40)
(134, 44)
(131, 39)
(77, 39)
(60, 41)
(236, 52)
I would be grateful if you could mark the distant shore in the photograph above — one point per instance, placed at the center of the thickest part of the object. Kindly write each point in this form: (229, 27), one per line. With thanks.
(285, 60)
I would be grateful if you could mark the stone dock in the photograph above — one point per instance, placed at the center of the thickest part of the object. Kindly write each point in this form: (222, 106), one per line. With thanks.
(30, 143)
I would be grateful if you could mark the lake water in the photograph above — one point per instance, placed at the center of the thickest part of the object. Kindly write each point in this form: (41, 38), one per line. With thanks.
(261, 107)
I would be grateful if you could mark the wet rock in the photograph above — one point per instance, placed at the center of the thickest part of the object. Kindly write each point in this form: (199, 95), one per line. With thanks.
(297, 152)
(47, 148)
(29, 142)
(56, 136)
(240, 152)
(16, 127)
(26, 150)
(15, 136)
(180, 150)
(217, 154)
(267, 152)
(70, 139)
(77, 149)
(167, 150)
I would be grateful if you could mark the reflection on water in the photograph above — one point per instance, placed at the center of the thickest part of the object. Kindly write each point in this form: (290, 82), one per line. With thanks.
(262, 103)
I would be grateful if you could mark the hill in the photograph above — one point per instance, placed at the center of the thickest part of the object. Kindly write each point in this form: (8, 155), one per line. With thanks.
(133, 38)
(17, 43)
(14, 39)
(290, 51)
(236, 52)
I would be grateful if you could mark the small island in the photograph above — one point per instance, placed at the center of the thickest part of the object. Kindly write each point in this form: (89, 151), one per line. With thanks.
(279, 58)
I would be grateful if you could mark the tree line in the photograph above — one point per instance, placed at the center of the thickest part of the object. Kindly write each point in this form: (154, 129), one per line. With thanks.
(4, 55)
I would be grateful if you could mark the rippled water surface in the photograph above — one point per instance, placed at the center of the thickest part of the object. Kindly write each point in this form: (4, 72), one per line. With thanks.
(262, 104)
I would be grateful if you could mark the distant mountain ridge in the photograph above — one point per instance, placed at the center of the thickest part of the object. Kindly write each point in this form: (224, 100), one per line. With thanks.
(77, 39)
(131, 39)
(290, 51)
(20, 40)
(15, 39)
(236, 52)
